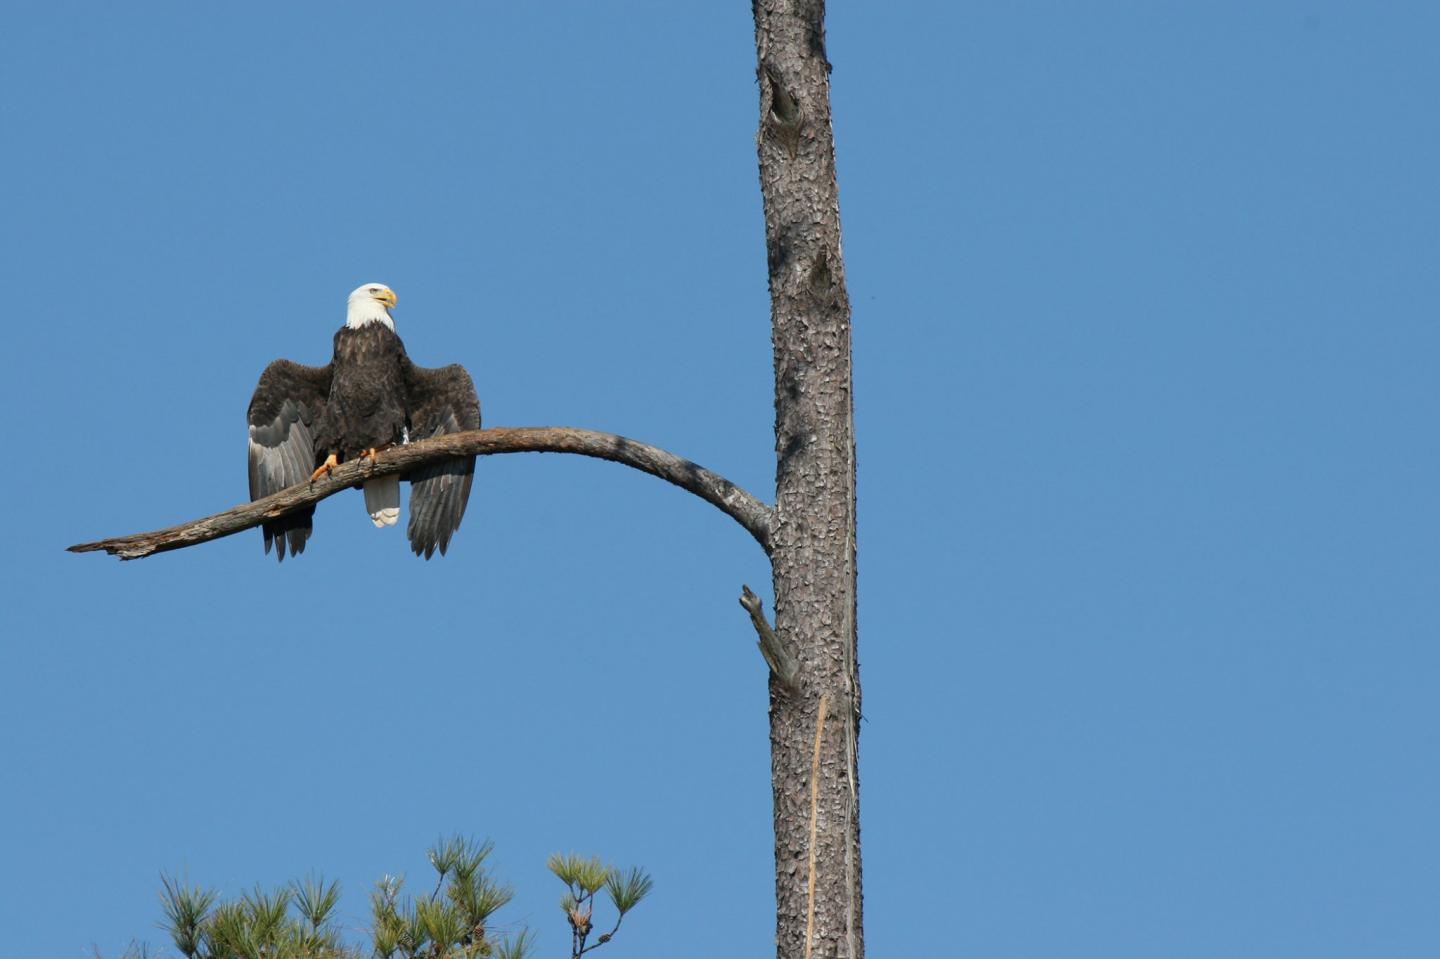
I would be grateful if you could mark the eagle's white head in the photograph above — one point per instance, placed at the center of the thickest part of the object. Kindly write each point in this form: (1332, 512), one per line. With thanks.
(370, 303)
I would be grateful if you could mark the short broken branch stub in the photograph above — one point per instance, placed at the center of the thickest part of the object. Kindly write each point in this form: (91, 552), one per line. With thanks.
(781, 661)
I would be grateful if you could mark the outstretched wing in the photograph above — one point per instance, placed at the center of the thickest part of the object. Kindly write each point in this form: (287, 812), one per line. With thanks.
(441, 401)
(284, 415)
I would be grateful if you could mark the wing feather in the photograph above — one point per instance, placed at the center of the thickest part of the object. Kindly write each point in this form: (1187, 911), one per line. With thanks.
(283, 416)
(441, 401)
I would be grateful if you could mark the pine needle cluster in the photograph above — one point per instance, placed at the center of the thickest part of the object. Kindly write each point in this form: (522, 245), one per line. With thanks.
(451, 920)
(292, 922)
(583, 878)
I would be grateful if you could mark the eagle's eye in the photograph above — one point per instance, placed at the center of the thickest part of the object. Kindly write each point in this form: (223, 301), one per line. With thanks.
(374, 289)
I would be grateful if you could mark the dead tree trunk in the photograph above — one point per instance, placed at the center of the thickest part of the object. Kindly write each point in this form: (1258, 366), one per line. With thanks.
(814, 722)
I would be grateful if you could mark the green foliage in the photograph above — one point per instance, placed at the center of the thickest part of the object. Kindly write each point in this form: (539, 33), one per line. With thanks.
(185, 908)
(452, 921)
(390, 931)
(442, 924)
(315, 900)
(583, 878)
(267, 915)
(587, 875)
(626, 890)
(516, 948)
(458, 855)
(477, 896)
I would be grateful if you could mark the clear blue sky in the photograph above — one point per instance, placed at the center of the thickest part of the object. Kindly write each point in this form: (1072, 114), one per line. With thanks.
(1146, 341)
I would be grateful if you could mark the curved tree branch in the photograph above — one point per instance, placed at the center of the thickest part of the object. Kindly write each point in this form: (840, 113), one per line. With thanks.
(745, 509)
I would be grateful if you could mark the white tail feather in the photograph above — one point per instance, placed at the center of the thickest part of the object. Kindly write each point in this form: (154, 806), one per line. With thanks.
(382, 500)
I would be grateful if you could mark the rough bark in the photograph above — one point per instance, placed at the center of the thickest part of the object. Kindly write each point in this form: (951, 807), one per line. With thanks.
(745, 509)
(814, 726)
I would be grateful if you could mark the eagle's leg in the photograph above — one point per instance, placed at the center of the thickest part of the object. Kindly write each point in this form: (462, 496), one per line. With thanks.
(373, 451)
(330, 463)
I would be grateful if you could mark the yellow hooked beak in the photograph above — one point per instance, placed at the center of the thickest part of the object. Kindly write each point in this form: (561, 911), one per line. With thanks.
(387, 297)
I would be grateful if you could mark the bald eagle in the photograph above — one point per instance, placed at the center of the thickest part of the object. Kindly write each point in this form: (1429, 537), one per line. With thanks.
(306, 420)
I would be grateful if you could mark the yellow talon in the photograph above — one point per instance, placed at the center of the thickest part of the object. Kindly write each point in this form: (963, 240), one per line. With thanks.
(330, 463)
(373, 452)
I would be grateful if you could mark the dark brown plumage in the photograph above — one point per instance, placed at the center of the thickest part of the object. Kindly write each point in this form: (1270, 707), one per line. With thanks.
(369, 396)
